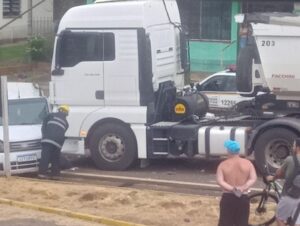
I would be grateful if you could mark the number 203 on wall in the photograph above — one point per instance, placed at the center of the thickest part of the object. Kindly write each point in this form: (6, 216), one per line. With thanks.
(267, 43)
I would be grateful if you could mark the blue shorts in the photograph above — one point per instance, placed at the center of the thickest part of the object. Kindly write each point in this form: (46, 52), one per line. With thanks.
(243, 42)
(286, 208)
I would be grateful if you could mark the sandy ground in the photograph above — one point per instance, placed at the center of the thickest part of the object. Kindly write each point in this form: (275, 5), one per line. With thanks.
(138, 206)
(15, 216)
(144, 207)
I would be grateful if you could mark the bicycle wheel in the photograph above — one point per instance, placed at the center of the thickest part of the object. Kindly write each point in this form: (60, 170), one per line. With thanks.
(262, 209)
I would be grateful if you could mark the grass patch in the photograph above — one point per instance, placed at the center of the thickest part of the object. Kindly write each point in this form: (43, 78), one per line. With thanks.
(13, 53)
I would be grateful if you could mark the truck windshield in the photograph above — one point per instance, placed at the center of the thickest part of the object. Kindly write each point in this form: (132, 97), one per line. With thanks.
(27, 111)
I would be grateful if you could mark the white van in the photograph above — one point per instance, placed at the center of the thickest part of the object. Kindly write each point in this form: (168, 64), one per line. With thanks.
(26, 110)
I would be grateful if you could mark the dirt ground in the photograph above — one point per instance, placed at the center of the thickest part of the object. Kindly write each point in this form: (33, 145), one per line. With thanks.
(38, 73)
(152, 208)
(143, 207)
(16, 216)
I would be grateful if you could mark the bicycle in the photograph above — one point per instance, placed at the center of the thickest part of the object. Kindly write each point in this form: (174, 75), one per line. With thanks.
(263, 204)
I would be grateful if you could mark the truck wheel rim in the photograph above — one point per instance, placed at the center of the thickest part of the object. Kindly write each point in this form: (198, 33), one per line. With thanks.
(276, 151)
(111, 147)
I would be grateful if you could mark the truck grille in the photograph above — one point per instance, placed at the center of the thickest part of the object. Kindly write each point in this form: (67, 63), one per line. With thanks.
(25, 145)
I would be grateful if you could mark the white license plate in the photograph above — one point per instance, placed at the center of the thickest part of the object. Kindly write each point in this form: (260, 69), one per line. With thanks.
(26, 158)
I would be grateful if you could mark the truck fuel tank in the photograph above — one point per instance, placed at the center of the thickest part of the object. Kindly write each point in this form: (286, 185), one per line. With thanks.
(211, 139)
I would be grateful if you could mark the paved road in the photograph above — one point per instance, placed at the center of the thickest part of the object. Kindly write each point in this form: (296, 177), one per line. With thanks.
(186, 170)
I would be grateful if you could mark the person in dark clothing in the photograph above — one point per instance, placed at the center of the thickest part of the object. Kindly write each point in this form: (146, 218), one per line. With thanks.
(234, 210)
(54, 128)
(289, 202)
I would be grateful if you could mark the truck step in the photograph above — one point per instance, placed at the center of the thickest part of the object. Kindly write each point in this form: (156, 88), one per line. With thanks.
(164, 125)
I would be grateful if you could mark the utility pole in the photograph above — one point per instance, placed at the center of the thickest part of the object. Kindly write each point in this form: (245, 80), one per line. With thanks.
(30, 19)
(6, 147)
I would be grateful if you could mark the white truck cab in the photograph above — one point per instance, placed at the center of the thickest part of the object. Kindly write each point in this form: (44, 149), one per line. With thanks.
(110, 59)
(26, 111)
(119, 66)
(112, 49)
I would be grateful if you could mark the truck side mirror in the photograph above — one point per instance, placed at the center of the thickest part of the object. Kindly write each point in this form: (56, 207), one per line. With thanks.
(57, 67)
(199, 87)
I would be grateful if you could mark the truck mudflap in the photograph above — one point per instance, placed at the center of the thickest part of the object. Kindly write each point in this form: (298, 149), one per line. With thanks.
(74, 146)
(211, 139)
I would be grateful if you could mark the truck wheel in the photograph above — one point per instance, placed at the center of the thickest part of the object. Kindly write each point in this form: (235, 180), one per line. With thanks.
(113, 147)
(272, 147)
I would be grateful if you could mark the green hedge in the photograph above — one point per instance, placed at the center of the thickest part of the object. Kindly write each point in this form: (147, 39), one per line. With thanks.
(39, 49)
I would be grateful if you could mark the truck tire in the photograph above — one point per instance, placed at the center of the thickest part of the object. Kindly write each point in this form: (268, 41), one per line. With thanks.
(272, 147)
(113, 147)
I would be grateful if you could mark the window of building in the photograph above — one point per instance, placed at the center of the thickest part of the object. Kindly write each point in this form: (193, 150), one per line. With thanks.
(89, 46)
(206, 19)
(267, 6)
(11, 8)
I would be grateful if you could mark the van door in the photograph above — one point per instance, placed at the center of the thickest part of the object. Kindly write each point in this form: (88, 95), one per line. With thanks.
(77, 76)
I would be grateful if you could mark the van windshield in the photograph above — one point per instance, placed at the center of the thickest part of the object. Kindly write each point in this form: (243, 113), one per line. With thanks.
(27, 111)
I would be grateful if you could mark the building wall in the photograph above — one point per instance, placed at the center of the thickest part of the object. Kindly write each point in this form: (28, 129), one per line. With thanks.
(42, 17)
(208, 55)
(211, 56)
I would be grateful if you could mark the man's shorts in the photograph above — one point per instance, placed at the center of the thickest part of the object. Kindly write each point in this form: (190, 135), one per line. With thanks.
(286, 208)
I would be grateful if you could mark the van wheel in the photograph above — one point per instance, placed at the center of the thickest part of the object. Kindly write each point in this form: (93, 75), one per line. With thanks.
(113, 147)
(272, 147)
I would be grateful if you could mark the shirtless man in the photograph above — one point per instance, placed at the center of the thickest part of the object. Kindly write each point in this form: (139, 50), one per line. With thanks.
(235, 176)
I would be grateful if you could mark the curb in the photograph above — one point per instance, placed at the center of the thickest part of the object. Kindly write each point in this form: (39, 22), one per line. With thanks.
(182, 184)
(68, 213)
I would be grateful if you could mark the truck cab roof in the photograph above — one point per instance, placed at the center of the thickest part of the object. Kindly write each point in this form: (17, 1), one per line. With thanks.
(120, 14)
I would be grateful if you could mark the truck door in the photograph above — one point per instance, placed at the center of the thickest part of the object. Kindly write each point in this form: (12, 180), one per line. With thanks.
(77, 75)
(121, 73)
